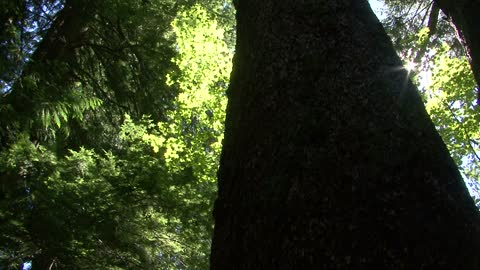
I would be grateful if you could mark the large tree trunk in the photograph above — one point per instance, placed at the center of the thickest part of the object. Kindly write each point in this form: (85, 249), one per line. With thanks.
(330, 160)
(466, 18)
(49, 67)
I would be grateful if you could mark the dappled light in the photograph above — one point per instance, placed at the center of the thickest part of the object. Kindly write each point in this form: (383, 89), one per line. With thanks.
(113, 165)
(113, 129)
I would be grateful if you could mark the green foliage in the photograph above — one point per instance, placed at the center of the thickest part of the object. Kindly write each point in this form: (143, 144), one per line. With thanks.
(101, 209)
(423, 36)
(452, 104)
(21, 20)
(444, 78)
(407, 23)
(113, 52)
(111, 128)
(109, 152)
(204, 62)
(59, 112)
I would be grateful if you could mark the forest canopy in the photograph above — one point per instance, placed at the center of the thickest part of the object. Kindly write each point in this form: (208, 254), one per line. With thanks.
(112, 118)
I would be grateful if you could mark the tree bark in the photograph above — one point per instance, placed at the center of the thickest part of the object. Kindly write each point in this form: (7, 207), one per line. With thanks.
(330, 160)
(66, 33)
(43, 262)
(48, 65)
(465, 17)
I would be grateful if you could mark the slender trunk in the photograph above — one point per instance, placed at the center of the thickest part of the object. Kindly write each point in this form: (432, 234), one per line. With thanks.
(432, 26)
(465, 16)
(330, 160)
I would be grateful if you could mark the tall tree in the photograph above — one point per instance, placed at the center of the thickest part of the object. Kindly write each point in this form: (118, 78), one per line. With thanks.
(330, 160)
(103, 187)
(428, 43)
(464, 15)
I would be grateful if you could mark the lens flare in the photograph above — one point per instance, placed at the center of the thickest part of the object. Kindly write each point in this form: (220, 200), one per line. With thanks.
(410, 66)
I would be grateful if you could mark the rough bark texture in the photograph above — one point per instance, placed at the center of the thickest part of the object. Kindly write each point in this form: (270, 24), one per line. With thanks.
(466, 18)
(330, 160)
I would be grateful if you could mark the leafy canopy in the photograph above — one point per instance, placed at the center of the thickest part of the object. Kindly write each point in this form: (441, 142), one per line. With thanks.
(116, 168)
